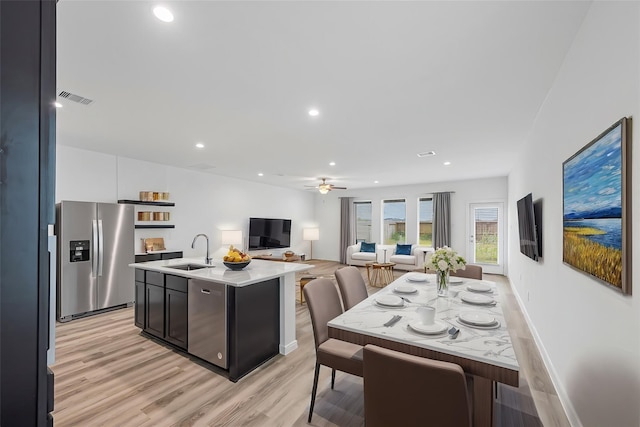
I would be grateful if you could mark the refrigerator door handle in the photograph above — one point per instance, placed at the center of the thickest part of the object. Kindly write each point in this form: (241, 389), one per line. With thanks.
(94, 248)
(100, 247)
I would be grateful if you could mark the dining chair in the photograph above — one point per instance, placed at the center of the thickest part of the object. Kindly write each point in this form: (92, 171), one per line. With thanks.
(323, 302)
(471, 271)
(352, 286)
(406, 390)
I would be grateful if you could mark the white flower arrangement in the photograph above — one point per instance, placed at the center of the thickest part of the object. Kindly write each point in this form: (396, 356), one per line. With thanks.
(446, 260)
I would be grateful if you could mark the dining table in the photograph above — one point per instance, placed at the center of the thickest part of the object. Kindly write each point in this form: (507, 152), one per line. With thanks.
(482, 345)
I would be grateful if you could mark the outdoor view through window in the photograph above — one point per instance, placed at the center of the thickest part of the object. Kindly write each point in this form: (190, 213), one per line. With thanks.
(394, 215)
(363, 221)
(425, 227)
(486, 231)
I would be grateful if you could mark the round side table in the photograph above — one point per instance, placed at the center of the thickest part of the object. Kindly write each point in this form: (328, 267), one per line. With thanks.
(380, 274)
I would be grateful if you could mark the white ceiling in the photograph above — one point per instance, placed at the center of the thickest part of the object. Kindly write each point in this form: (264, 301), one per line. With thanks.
(391, 79)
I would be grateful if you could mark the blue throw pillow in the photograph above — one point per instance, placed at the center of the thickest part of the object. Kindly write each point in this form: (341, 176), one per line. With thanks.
(367, 247)
(403, 249)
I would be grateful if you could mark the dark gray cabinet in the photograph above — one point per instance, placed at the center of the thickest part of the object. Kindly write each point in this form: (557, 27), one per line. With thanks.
(158, 257)
(154, 310)
(176, 325)
(161, 306)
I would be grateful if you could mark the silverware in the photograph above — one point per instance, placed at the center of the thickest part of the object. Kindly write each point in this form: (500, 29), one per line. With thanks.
(406, 299)
(453, 332)
(393, 320)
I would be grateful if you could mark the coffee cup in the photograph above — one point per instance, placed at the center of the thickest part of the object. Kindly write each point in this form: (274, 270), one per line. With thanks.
(427, 314)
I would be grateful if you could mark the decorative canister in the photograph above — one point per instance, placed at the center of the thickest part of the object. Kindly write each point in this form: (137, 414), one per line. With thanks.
(158, 216)
(146, 196)
(164, 195)
(144, 216)
(156, 195)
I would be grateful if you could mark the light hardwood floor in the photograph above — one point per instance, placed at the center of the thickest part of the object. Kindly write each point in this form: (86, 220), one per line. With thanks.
(107, 374)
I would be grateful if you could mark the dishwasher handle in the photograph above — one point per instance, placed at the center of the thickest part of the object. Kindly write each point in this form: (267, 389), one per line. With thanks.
(205, 291)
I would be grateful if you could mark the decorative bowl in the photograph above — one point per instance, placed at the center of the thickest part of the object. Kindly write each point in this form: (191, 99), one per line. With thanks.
(235, 266)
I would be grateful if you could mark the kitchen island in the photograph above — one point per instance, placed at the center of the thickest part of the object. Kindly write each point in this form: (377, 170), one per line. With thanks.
(233, 319)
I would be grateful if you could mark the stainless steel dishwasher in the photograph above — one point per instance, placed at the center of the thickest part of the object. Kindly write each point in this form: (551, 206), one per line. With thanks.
(208, 321)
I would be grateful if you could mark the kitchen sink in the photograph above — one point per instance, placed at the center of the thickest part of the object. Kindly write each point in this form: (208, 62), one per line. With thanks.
(189, 267)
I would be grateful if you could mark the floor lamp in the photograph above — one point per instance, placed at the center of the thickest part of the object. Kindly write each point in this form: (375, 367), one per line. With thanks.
(311, 234)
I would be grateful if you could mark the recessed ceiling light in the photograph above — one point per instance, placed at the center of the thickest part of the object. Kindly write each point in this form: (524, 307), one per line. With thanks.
(427, 154)
(313, 112)
(332, 163)
(375, 182)
(163, 14)
(199, 145)
(57, 104)
(260, 174)
(446, 163)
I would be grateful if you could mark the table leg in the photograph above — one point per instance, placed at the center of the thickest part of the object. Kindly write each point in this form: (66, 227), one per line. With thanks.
(482, 402)
(368, 267)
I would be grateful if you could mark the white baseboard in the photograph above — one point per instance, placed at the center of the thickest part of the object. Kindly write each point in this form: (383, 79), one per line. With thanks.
(286, 349)
(562, 394)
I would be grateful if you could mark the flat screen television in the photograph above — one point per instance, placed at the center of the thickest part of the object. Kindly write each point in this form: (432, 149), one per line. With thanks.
(269, 233)
(529, 228)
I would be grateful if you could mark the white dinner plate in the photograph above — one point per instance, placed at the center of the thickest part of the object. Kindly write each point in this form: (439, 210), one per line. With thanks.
(432, 329)
(389, 301)
(455, 280)
(417, 277)
(468, 325)
(479, 287)
(479, 299)
(477, 318)
(405, 289)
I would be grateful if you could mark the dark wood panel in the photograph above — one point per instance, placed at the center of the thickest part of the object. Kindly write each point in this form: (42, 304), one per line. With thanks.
(176, 322)
(171, 255)
(139, 315)
(176, 283)
(154, 310)
(148, 257)
(254, 326)
(155, 278)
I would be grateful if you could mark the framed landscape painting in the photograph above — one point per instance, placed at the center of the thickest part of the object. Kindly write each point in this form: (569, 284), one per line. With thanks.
(597, 207)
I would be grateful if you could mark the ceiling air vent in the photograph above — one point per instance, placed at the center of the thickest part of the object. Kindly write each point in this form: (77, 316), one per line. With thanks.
(202, 166)
(75, 98)
(427, 154)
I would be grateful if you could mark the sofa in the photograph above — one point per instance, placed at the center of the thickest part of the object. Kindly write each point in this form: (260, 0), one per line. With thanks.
(413, 261)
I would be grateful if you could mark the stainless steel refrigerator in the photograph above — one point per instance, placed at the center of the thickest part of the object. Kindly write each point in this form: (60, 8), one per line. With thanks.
(95, 246)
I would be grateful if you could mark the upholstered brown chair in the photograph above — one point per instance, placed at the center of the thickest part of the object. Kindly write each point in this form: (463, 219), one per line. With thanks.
(352, 286)
(471, 271)
(323, 302)
(405, 390)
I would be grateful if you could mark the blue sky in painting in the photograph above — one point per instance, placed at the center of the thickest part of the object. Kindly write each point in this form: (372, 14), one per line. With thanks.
(592, 179)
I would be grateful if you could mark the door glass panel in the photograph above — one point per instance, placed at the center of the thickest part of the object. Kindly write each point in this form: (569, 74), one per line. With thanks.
(394, 216)
(363, 221)
(486, 232)
(425, 225)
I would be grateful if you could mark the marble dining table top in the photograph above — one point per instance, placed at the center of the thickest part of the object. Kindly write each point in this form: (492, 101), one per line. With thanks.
(491, 346)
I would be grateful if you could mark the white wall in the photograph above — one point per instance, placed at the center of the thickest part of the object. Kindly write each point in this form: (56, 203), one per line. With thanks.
(205, 203)
(588, 333)
(465, 192)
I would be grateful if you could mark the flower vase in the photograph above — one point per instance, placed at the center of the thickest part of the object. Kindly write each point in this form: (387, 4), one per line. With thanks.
(442, 278)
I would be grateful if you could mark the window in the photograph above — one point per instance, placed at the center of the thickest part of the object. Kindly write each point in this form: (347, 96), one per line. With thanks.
(394, 216)
(425, 222)
(363, 221)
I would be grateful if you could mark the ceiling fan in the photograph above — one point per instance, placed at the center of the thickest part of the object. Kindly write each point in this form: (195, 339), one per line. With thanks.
(324, 188)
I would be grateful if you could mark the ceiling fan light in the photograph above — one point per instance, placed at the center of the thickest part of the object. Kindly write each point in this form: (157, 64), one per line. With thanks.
(324, 189)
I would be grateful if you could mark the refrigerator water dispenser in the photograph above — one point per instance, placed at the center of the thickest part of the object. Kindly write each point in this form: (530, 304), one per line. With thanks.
(79, 250)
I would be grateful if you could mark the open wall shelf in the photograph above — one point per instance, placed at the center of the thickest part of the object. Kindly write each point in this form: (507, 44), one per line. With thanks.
(140, 202)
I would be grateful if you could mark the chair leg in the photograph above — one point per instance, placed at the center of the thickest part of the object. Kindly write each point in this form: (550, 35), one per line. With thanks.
(313, 391)
(333, 377)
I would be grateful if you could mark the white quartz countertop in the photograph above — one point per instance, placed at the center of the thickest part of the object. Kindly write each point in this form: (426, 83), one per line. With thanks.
(492, 346)
(257, 271)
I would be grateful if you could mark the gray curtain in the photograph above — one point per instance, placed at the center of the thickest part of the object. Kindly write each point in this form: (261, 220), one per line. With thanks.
(347, 227)
(441, 220)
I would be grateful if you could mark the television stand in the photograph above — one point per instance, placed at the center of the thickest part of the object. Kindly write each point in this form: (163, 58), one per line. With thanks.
(278, 258)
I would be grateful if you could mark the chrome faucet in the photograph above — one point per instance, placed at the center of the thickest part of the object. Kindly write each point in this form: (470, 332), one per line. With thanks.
(207, 260)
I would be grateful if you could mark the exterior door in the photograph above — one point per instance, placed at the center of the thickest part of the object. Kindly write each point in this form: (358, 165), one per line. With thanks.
(486, 236)
(115, 227)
